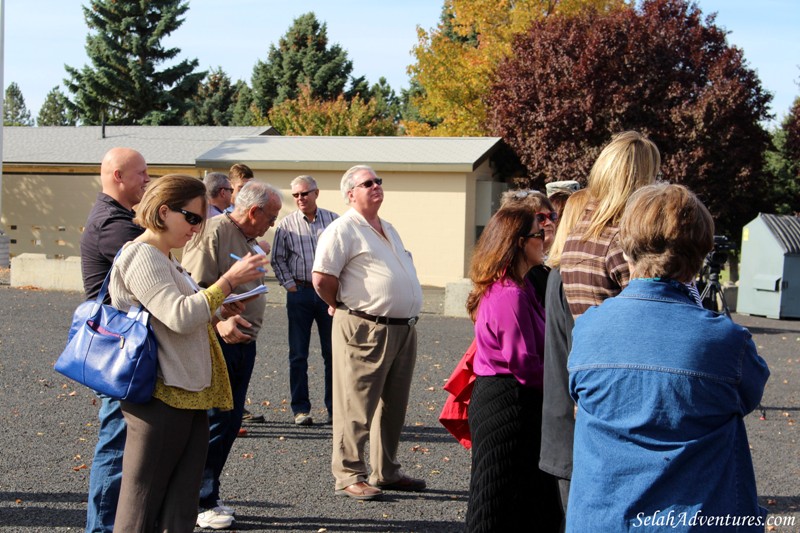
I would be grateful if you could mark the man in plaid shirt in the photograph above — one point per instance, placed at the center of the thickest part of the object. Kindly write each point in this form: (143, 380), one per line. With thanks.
(292, 257)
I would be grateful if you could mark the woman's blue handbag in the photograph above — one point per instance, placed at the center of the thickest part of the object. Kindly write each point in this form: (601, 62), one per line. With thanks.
(112, 352)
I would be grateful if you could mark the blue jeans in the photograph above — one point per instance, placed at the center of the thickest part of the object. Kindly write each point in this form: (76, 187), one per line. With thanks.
(303, 308)
(224, 425)
(105, 477)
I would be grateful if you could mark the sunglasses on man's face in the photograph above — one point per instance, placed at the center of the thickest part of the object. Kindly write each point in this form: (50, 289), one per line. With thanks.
(302, 194)
(552, 216)
(193, 219)
(369, 183)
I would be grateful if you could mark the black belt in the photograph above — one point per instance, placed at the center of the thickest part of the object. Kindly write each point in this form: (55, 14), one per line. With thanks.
(306, 284)
(384, 319)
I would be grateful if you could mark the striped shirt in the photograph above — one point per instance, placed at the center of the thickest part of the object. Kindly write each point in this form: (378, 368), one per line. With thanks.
(295, 244)
(594, 269)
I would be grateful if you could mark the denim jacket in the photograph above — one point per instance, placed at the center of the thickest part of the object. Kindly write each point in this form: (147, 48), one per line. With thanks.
(662, 387)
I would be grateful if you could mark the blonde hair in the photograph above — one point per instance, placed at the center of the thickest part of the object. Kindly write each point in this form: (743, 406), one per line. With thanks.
(628, 162)
(172, 190)
(573, 211)
(666, 231)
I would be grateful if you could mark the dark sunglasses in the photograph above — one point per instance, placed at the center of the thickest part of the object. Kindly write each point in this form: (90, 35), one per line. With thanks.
(226, 189)
(193, 219)
(536, 235)
(541, 217)
(369, 183)
(303, 194)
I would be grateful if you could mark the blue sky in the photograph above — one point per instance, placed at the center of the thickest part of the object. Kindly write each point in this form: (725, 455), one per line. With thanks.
(41, 36)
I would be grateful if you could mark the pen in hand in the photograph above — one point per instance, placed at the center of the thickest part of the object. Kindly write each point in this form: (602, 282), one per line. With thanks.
(234, 256)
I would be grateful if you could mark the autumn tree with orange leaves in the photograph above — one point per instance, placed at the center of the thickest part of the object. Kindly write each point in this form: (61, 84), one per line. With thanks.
(457, 59)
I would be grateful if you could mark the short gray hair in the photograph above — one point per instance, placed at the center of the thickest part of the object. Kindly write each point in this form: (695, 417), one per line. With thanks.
(255, 194)
(348, 179)
(308, 180)
(214, 182)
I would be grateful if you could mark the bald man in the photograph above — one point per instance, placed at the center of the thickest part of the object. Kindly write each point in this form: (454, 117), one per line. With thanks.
(123, 176)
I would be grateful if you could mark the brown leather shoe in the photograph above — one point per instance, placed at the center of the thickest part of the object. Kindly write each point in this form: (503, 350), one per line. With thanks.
(406, 484)
(360, 491)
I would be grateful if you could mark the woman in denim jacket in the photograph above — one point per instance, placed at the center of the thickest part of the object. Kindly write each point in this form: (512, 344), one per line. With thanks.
(662, 387)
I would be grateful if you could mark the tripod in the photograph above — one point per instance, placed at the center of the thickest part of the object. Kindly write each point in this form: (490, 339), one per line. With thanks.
(712, 293)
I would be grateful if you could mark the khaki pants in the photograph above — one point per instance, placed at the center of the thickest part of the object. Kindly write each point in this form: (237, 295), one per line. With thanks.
(372, 369)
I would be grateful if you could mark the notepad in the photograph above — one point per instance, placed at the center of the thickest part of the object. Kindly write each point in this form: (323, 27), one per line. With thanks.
(261, 289)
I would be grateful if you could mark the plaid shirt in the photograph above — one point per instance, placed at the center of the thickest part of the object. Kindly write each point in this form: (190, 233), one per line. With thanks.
(295, 244)
(594, 269)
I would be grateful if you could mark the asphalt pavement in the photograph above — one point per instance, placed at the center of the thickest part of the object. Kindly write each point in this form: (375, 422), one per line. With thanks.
(278, 475)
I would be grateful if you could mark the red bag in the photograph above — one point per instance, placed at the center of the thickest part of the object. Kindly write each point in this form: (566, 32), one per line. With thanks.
(454, 415)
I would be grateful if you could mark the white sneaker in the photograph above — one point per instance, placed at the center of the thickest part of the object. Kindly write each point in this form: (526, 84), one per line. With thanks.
(214, 519)
(225, 509)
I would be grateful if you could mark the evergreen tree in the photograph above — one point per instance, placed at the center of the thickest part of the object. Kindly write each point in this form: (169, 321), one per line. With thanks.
(783, 164)
(213, 103)
(302, 57)
(124, 85)
(243, 107)
(55, 110)
(15, 113)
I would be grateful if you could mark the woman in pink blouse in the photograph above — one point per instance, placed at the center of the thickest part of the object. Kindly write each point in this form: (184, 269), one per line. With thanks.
(508, 492)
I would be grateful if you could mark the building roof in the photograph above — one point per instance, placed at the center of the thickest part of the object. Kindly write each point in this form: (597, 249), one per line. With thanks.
(437, 154)
(85, 145)
(786, 229)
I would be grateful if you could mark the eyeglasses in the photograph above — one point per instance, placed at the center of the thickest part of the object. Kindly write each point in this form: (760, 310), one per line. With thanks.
(541, 217)
(193, 219)
(369, 183)
(303, 194)
(271, 219)
(536, 235)
(230, 190)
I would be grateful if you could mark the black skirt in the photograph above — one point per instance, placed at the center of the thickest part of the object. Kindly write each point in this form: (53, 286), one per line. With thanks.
(507, 491)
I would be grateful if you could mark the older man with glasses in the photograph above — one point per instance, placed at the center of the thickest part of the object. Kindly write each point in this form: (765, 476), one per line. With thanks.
(218, 192)
(365, 274)
(207, 256)
(292, 257)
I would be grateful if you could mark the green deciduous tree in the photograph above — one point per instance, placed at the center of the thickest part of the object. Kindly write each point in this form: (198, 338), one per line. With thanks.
(214, 101)
(457, 59)
(308, 115)
(124, 85)
(55, 110)
(15, 113)
(302, 57)
(572, 82)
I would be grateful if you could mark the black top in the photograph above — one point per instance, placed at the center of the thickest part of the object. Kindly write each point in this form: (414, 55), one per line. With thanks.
(558, 418)
(538, 278)
(108, 227)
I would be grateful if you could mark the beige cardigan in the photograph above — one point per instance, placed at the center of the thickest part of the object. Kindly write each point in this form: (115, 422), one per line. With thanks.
(178, 314)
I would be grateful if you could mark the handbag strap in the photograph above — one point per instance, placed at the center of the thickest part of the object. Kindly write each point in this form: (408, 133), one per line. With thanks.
(101, 296)
(136, 311)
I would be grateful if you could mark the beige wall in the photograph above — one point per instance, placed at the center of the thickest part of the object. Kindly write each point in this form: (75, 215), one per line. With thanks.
(433, 212)
(45, 213)
(427, 209)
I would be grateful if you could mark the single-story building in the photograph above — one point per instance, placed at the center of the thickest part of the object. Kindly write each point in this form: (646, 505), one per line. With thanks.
(51, 175)
(439, 192)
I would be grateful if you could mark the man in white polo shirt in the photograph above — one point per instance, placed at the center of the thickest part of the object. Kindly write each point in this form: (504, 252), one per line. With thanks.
(367, 277)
